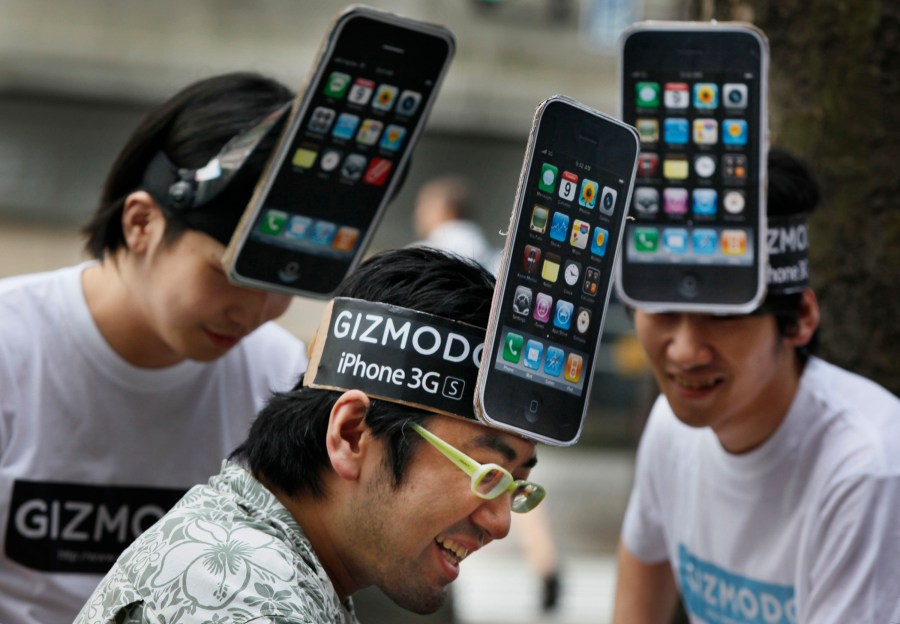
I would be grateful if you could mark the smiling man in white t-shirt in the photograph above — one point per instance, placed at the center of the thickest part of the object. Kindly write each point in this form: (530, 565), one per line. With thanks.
(768, 481)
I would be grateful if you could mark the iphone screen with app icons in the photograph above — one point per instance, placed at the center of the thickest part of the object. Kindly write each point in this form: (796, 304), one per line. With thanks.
(695, 94)
(556, 281)
(343, 152)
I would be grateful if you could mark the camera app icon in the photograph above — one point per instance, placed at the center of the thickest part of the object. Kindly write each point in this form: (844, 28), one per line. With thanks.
(353, 166)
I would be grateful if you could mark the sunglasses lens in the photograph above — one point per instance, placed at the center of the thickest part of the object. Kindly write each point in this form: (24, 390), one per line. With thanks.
(526, 496)
(492, 482)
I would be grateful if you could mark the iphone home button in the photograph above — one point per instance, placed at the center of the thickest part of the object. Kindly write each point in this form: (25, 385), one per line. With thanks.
(533, 409)
(290, 272)
(689, 286)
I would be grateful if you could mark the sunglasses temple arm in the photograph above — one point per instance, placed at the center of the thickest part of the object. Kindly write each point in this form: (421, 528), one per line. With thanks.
(462, 461)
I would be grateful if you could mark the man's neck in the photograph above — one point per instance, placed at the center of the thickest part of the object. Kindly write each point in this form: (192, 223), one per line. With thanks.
(118, 317)
(314, 517)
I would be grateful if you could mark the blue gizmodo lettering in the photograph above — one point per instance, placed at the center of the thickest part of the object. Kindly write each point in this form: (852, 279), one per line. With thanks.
(424, 340)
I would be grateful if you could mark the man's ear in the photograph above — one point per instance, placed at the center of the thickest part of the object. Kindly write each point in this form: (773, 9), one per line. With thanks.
(142, 221)
(347, 438)
(808, 320)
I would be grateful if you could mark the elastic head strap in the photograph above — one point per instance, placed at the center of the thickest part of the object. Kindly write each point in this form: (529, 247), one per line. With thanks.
(198, 197)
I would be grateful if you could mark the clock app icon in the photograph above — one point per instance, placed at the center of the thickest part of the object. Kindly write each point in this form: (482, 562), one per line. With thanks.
(572, 272)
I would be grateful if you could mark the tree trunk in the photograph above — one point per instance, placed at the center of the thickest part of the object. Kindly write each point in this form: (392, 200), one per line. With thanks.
(834, 76)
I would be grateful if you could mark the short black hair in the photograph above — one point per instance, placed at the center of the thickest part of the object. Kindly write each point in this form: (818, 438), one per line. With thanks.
(286, 443)
(189, 128)
(792, 191)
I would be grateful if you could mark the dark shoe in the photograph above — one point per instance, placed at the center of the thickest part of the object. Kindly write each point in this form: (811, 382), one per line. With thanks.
(551, 592)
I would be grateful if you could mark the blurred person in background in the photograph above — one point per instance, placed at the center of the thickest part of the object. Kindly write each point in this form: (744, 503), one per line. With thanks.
(126, 379)
(767, 485)
(442, 219)
(335, 490)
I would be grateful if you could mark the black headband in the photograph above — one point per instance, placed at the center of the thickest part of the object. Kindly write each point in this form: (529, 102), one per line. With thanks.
(788, 248)
(197, 197)
(397, 354)
(173, 190)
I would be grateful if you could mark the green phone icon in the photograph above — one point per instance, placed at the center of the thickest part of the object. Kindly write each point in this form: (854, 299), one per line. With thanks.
(273, 222)
(512, 348)
(646, 239)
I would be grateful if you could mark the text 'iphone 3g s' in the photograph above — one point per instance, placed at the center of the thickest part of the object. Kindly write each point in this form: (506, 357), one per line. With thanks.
(342, 154)
(554, 282)
(696, 92)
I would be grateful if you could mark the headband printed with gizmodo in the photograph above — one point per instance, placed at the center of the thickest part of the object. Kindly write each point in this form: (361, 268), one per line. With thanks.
(787, 244)
(398, 355)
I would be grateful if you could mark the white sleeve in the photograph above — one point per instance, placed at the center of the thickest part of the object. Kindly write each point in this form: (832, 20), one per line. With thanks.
(6, 409)
(277, 359)
(853, 571)
(9, 384)
(642, 529)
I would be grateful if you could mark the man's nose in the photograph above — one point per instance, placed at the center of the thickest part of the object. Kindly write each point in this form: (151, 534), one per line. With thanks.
(688, 345)
(494, 517)
(254, 307)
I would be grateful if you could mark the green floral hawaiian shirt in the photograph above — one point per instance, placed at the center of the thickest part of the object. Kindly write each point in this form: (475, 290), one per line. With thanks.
(227, 552)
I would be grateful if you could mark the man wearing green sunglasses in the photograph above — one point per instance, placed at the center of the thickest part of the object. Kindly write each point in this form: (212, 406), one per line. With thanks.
(488, 480)
(334, 490)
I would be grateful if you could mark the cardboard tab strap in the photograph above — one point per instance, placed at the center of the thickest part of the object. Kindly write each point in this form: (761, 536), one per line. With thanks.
(398, 355)
(788, 247)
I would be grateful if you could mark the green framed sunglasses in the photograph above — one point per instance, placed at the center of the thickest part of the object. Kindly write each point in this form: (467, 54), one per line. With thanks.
(488, 480)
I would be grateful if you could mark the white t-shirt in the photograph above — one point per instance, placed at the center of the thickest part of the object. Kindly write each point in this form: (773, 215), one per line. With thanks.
(93, 450)
(805, 528)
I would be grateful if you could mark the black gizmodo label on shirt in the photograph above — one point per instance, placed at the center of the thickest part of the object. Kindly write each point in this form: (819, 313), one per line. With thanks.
(65, 527)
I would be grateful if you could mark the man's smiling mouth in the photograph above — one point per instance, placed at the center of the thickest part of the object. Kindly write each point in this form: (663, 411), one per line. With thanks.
(696, 384)
(453, 552)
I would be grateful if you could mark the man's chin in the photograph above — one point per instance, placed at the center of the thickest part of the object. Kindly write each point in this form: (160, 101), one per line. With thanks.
(421, 601)
(692, 416)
